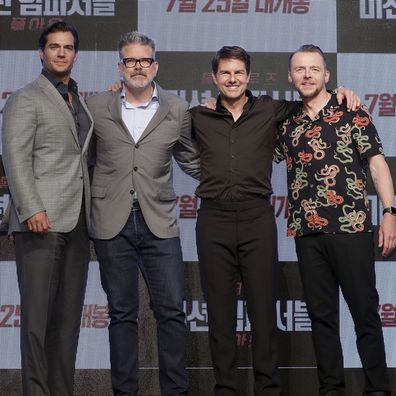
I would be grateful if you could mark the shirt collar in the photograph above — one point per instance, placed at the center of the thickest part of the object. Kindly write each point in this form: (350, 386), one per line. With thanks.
(59, 85)
(221, 108)
(331, 104)
(154, 98)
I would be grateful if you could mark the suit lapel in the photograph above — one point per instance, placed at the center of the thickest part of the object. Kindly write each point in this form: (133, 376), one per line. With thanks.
(89, 133)
(55, 97)
(114, 106)
(159, 115)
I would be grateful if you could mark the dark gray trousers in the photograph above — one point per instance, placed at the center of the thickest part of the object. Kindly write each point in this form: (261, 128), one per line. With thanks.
(52, 273)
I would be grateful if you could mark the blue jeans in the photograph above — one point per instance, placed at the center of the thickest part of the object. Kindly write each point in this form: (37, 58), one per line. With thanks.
(160, 261)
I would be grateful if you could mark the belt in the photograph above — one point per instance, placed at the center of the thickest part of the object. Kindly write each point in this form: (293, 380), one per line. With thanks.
(135, 205)
(234, 205)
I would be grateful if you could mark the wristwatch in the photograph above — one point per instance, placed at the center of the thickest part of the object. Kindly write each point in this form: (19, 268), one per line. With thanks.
(391, 210)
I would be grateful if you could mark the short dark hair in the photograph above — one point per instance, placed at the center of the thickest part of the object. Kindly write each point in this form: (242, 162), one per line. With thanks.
(58, 27)
(308, 48)
(135, 38)
(231, 52)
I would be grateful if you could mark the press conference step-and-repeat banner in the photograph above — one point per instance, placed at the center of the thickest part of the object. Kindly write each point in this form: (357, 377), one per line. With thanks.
(358, 37)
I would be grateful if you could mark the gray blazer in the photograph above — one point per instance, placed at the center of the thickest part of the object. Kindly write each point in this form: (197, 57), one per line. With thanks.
(123, 166)
(45, 166)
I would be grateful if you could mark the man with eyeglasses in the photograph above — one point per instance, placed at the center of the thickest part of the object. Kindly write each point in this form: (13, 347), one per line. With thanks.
(138, 129)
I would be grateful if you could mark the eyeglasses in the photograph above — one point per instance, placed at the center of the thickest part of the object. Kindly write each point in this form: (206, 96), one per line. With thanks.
(143, 62)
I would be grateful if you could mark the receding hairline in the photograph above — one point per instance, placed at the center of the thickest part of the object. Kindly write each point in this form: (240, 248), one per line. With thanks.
(309, 48)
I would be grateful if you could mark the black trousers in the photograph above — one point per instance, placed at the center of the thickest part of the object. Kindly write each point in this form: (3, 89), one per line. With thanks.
(239, 239)
(328, 262)
(52, 274)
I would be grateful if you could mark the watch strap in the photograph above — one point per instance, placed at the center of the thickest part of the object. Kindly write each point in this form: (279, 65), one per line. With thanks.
(390, 209)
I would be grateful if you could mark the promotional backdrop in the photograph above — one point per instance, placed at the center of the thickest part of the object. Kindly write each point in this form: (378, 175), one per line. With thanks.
(358, 37)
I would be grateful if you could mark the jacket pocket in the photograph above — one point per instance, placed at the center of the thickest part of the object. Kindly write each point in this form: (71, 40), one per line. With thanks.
(167, 194)
(98, 192)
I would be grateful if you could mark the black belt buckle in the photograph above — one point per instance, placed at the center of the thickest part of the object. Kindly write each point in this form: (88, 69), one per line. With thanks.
(135, 205)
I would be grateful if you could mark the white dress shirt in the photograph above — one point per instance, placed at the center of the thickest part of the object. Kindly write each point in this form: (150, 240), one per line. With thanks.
(137, 118)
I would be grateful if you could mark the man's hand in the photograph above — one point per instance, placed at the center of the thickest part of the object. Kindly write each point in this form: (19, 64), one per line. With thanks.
(117, 86)
(39, 223)
(387, 234)
(383, 184)
(209, 103)
(353, 101)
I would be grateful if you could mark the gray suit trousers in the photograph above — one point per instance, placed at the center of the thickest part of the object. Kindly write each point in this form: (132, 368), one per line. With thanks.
(52, 272)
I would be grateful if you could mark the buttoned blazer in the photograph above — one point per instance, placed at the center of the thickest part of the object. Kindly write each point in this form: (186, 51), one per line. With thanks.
(45, 166)
(124, 166)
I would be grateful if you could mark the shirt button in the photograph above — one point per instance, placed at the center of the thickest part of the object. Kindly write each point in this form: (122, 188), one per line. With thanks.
(137, 145)
(233, 156)
(232, 141)
(135, 168)
(132, 192)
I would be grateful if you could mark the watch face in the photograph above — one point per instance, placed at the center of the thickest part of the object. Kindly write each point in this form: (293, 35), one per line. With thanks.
(390, 210)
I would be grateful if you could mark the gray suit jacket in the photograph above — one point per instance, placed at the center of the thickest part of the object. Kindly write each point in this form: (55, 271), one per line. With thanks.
(123, 166)
(45, 166)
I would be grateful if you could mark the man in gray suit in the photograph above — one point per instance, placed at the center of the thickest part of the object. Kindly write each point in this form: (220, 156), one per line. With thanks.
(46, 131)
(138, 129)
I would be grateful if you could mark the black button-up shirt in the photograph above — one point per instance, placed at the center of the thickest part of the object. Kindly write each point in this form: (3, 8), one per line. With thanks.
(77, 110)
(236, 157)
(326, 160)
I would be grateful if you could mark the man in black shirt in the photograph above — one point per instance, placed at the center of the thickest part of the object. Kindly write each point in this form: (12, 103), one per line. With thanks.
(328, 151)
(236, 231)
